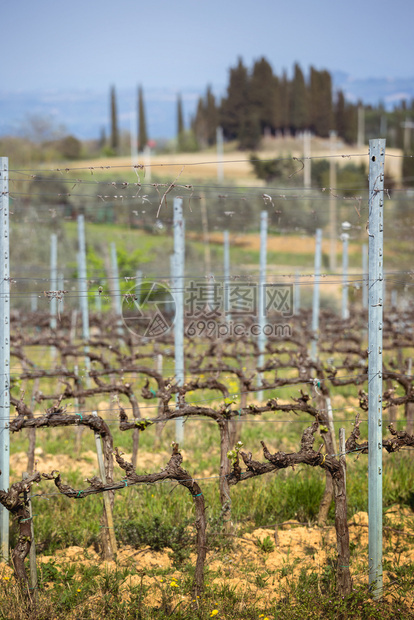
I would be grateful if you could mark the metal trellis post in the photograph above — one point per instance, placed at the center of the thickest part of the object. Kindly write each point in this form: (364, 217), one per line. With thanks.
(4, 353)
(332, 203)
(116, 289)
(53, 280)
(83, 287)
(178, 288)
(307, 181)
(138, 285)
(365, 276)
(53, 287)
(98, 303)
(345, 309)
(219, 141)
(226, 283)
(61, 287)
(375, 319)
(173, 306)
(261, 341)
(315, 302)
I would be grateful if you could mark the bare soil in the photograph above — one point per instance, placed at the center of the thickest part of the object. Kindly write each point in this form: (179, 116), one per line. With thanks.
(247, 567)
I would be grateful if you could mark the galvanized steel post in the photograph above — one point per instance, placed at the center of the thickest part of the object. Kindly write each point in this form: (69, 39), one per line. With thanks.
(332, 202)
(365, 276)
(375, 322)
(178, 288)
(226, 279)
(53, 280)
(4, 352)
(83, 288)
(61, 287)
(219, 142)
(116, 289)
(315, 301)
(138, 285)
(261, 340)
(345, 309)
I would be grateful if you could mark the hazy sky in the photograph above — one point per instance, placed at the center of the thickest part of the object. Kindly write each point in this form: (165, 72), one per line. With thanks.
(189, 43)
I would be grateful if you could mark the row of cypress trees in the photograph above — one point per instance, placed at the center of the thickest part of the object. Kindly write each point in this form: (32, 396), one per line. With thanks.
(142, 132)
(114, 140)
(258, 102)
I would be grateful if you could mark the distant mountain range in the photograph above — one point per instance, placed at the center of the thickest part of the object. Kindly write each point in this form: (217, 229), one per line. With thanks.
(84, 113)
(389, 91)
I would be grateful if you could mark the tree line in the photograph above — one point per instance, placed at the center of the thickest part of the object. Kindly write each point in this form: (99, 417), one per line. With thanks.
(258, 103)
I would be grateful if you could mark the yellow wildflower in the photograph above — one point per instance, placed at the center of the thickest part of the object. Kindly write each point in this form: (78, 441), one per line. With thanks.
(214, 613)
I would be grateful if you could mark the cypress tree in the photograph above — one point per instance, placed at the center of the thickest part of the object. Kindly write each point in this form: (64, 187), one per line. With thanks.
(284, 87)
(340, 118)
(233, 107)
(205, 122)
(142, 125)
(211, 115)
(314, 88)
(299, 101)
(262, 94)
(351, 123)
(346, 119)
(199, 124)
(114, 121)
(327, 120)
(180, 122)
(277, 109)
(320, 94)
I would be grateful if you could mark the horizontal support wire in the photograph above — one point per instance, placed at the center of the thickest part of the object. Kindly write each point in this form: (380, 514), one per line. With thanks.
(220, 277)
(177, 164)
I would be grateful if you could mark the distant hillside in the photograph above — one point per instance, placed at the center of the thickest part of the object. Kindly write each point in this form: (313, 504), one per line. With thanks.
(84, 113)
(389, 91)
